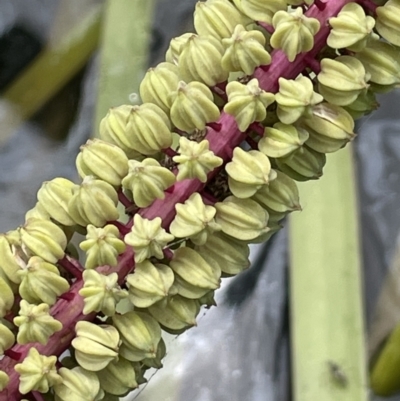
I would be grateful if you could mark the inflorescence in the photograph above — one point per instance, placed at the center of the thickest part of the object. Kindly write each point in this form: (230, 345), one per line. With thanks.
(176, 188)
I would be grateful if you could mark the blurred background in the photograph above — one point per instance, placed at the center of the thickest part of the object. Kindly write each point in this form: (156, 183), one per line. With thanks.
(63, 63)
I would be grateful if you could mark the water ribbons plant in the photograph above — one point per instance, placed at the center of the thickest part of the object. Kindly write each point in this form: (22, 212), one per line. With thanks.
(208, 163)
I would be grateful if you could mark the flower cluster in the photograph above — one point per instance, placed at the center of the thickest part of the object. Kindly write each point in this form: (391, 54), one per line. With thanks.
(176, 188)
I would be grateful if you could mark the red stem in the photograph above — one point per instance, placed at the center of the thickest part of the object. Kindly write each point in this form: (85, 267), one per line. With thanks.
(72, 266)
(124, 199)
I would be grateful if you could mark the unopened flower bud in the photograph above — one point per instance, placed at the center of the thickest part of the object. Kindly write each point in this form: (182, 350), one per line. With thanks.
(37, 212)
(140, 334)
(350, 27)
(231, 254)
(243, 219)
(147, 238)
(37, 372)
(248, 172)
(149, 283)
(118, 378)
(175, 313)
(6, 296)
(94, 202)
(282, 140)
(101, 293)
(43, 238)
(281, 195)
(102, 160)
(217, 18)
(35, 323)
(247, 103)
(330, 128)
(382, 61)
(194, 219)
(364, 104)
(303, 165)
(260, 10)
(149, 129)
(200, 60)
(147, 180)
(175, 48)
(113, 129)
(157, 85)
(102, 246)
(78, 384)
(195, 160)
(294, 32)
(6, 338)
(41, 282)
(53, 197)
(388, 21)
(244, 51)
(342, 80)
(193, 271)
(295, 99)
(95, 345)
(156, 362)
(8, 263)
(193, 106)
(4, 380)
